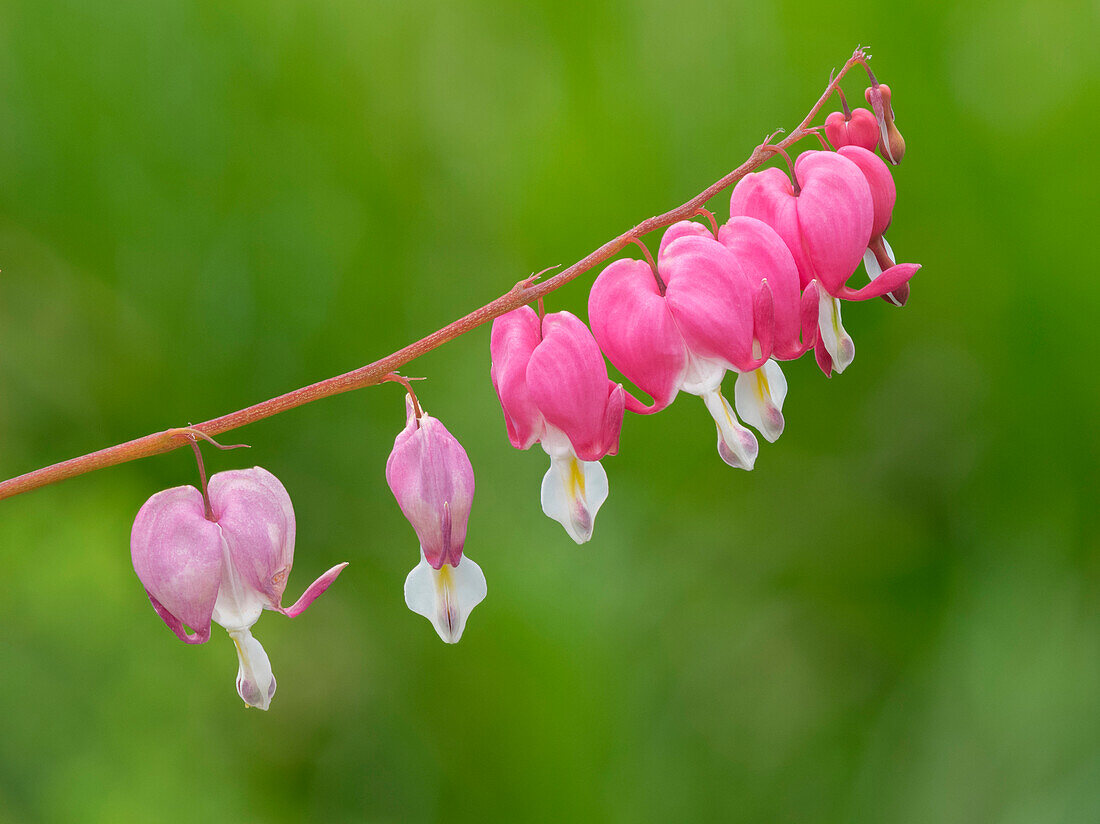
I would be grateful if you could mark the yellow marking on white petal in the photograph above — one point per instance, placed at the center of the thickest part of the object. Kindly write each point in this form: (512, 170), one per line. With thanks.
(762, 387)
(576, 478)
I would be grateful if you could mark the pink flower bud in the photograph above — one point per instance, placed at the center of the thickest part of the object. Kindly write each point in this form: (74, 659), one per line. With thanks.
(552, 384)
(858, 129)
(891, 143)
(433, 482)
(228, 568)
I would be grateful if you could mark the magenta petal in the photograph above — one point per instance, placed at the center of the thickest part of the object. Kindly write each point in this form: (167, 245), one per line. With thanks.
(633, 325)
(313, 591)
(809, 312)
(823, 358)
(177, 555)
(612, 419)
(711, 299)
(568, 382)
(513, 339)
(763, 324)
(257, 519)
(888, 281)
(835, 215)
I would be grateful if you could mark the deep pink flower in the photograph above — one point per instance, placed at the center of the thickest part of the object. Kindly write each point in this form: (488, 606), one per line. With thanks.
(553, 387)
(433, 482)
(826, 226)
(227, 568)
(708, 318)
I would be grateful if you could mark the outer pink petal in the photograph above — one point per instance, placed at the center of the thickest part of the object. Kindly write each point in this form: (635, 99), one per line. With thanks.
(177, 555)
(257, 521)
(835, 215)
(888, 281)
(433, 481)
(764, 256)
(711, 299)
(313, 591)
(683, 228)
(769, 196)
(883, 191)
(809, 314)
(632, 324)
(513, 339)
(568, 382)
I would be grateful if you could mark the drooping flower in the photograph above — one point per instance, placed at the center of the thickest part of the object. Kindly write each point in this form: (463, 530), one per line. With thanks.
(826, 222)
(683, 326)
(433, 482)
(878, 256)
(226, 558)
(553, 386)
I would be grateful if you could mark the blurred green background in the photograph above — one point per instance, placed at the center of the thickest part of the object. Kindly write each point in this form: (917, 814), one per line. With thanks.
(894, 618)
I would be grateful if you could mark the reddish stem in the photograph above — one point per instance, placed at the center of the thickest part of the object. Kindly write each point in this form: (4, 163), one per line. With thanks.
(202, 479)
(393, 377)
(523, 292)
(790, 165)
(652, 266)
(709, 215)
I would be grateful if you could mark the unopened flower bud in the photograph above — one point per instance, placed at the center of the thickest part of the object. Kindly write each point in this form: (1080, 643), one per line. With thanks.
(891, 143)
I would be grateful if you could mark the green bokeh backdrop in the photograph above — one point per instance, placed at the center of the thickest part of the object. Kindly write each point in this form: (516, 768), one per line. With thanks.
(894, 618)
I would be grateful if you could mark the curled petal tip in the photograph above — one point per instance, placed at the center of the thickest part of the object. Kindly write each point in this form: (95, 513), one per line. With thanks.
(313, 591)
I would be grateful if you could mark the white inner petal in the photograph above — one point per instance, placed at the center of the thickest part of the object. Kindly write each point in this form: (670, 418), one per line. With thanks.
(445, 596)
(870, 263)
(238, 606)
(573, 492)
(255, 681)
(736, 445)
(759, 396)
(837, 341)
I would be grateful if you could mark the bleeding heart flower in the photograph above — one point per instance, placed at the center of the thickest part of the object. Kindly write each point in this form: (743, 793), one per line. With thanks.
(433, 481)
(553, 387)
(226, 557)
(826, 223)
(683, 326)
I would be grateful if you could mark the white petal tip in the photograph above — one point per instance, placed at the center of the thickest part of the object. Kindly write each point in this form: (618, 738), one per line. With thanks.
(737, 446)
(759, 397)
(572, 493)
(255, 681)
(445, 596)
